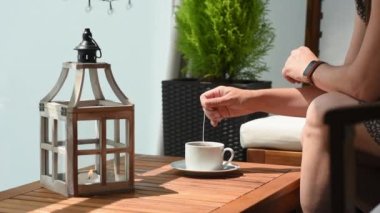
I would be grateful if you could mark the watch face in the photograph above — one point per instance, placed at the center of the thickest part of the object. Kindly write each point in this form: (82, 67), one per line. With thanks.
(310, 67)
(309, 70)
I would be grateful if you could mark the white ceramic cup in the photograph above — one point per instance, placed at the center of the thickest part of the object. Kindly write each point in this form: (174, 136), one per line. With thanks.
(206, 155)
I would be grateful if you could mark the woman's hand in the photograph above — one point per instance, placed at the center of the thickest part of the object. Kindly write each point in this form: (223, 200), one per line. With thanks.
(224, 102)
(296, 63)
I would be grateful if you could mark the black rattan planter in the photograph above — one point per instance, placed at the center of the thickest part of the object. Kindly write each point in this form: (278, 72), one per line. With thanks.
(183, 117)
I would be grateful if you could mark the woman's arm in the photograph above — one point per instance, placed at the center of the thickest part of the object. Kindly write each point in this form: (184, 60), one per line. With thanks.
(225, 102)
(285, 101)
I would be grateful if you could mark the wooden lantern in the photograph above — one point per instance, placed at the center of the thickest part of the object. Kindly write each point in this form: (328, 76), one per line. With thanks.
(77, 160)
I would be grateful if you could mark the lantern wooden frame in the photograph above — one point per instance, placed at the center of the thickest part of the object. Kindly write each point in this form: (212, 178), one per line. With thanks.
(73, 111)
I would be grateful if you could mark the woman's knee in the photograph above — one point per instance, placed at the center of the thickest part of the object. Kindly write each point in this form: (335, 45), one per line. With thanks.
(323, 103)
(317, 110)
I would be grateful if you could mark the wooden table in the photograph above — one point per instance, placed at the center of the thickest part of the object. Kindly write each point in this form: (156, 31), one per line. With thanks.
(159, 188)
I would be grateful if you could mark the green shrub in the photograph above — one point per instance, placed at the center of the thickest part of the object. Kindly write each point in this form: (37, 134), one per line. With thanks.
(224, 39)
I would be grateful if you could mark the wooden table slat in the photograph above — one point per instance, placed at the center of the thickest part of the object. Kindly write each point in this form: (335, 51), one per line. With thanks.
(19, 190)
(263, 194)
(10, 210)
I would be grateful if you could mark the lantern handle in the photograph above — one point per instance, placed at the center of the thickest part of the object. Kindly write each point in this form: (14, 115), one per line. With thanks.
(98, 46)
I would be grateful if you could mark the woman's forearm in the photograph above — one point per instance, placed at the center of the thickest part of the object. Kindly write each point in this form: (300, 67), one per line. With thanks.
(283, 101)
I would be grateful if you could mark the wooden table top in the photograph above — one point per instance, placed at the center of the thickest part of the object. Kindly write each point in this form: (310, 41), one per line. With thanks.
(160, 188)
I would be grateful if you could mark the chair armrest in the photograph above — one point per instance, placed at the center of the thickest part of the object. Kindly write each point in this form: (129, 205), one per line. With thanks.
(342, 163)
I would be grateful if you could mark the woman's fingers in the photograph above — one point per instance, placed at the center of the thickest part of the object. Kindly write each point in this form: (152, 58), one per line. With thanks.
(212, 98)
(214, 124)
(214, 116)
(214, 104)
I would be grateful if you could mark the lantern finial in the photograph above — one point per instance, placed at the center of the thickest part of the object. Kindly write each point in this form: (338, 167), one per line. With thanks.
(87, 48)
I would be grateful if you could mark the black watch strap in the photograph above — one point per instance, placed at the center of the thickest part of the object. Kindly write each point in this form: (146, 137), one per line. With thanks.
(309, 70)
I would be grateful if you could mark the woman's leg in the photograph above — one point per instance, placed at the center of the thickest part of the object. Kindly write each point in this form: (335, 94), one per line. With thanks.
(315, 171)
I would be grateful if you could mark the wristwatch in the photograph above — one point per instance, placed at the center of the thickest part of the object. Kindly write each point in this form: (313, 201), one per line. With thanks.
(309, 70)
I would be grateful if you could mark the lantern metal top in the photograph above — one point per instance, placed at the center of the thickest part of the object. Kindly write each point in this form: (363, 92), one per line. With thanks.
(87, 48)
(88, 43)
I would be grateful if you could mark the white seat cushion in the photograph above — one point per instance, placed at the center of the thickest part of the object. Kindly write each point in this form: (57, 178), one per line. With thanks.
(376, 209)
(274, 132)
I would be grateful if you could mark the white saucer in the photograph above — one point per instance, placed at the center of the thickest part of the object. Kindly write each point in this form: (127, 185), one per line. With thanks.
(181, 166)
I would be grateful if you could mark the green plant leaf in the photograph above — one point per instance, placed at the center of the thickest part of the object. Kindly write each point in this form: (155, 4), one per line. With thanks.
(224, 39)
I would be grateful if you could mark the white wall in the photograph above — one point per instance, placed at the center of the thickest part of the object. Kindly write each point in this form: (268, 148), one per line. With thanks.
(336, 27)
(289, 20)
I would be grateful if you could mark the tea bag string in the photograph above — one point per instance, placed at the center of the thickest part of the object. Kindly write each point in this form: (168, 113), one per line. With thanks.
(204, 121)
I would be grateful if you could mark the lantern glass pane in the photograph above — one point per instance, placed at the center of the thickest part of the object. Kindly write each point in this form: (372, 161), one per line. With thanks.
(62, 136)
(61, 166)
(49, 163)
(117, 167)
(53, 131)
(46, 130)
(89, 169)
(88, 135)
(117, 133)
(127, 164)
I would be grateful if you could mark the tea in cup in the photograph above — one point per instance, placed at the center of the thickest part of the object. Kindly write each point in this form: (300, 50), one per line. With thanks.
(206, 155)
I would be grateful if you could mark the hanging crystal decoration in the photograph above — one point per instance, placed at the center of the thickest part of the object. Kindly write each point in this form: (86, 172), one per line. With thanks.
(110, 10)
